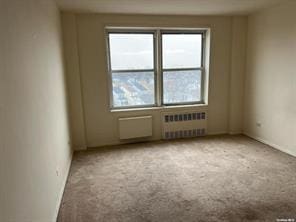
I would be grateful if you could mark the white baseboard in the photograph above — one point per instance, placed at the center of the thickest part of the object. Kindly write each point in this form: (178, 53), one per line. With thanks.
(122, 142)
(235, 132)
(118, 142)
(217, 133)
(276, 146)
(78, 148)
(61, 193)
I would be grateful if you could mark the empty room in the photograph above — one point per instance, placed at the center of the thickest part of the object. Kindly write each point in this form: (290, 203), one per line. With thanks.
(147, 110)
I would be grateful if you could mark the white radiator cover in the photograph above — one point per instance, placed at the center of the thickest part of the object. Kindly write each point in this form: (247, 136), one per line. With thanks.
(135, 127)
(184, 124)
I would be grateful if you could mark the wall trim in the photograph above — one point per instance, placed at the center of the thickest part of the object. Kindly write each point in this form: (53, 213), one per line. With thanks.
(273, 145)
(118, 142)
(79, 148)
(217, 133)
(61, 193)
(235, 132)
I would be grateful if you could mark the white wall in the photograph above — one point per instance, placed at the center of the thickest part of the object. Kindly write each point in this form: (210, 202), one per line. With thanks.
(270, 89)
(237, 74)
(74, 82)
(34, 126)
(89, 48)
(1, 117)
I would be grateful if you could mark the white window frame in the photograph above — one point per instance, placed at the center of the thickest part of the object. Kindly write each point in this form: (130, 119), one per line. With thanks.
(157, 66)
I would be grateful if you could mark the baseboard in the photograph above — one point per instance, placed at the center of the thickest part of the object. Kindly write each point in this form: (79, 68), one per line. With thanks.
(119, 142)
(115, 143)
(61, 193)
(276, 146)
(79, 148)
(235, 132)
(217, 133)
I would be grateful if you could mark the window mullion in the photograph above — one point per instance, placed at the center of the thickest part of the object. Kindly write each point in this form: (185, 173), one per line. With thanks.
(159, 69)
(181, 69)
(132, 70)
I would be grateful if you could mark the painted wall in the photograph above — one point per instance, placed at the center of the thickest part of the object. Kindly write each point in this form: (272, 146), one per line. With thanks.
(2, 203)
(73, 82)
(101, 124)
(34, 125)
(237, 74)
(270, 89)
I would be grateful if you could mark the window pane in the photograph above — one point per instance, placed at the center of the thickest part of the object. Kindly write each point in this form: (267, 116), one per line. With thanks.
(181, 50)
(181, 86)
(131, 51)
(133, 88)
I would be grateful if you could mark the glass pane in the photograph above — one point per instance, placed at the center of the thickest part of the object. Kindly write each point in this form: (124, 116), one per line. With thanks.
(133, 88)
(181, 86)
(131, 51)
(181, 50)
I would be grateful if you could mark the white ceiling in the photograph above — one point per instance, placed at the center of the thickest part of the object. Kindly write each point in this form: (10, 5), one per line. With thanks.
(183, 7)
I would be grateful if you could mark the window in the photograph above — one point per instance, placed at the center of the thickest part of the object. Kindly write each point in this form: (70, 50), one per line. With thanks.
(181, 68)
(155, 67)
(132, 69)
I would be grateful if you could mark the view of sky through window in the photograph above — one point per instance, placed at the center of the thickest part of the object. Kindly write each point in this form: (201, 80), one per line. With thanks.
(181, 50)
(131, 51)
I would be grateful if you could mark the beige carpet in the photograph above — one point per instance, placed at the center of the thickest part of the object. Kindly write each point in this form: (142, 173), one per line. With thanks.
(225, 178)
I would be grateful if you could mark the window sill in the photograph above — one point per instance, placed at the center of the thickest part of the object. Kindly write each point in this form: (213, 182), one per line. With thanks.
(161, 108)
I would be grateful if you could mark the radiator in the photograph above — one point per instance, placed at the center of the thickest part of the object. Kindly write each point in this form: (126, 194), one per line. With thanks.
(184, 124)
(135, 127)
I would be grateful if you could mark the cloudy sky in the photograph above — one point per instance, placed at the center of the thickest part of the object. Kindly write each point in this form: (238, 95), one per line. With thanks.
(135, 51)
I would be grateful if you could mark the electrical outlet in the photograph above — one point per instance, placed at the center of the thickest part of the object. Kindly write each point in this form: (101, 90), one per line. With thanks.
(57, 173)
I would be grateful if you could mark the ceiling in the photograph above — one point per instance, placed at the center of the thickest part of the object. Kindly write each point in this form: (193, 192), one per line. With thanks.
(181, 7)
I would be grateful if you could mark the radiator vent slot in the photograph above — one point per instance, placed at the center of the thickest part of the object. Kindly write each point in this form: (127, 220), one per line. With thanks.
(184, 124)
(184, 117)
(184, 133)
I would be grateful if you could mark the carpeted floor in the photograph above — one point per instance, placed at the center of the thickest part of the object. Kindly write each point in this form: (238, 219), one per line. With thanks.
(223, 178)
